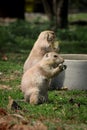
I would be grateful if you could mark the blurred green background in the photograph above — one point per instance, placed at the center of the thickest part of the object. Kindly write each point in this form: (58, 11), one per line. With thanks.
(19, 35)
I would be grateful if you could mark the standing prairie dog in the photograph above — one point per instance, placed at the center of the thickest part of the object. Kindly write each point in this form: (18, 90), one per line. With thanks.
(35, 81)
(45, 43)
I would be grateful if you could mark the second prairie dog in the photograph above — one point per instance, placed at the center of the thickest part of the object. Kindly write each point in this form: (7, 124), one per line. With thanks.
(45, 43)
(35, 81)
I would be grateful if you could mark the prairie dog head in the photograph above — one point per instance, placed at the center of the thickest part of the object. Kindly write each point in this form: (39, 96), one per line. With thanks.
(48, 35)
(49, 40)
(53, 59)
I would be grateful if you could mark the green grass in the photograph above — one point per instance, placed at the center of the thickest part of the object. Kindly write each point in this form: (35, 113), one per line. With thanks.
(21, 35)
(66, 110)
(77, 16)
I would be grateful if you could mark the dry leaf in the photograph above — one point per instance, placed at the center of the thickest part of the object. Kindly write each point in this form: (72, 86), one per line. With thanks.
(4, 126)
(13, 104)
(39, 126)
(18, 122)
(3, 111)
(64, 88)
(4, 57)
(22, 127)
(14, 122)
(5, 87)
(1, 73)
(10, 102)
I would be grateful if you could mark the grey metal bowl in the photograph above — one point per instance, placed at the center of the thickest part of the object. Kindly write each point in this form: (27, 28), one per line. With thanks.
(75, 76)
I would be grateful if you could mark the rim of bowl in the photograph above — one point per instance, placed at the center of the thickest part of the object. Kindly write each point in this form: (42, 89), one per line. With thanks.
(81, 57)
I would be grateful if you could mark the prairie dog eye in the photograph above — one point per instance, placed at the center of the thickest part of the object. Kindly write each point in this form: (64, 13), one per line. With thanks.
(47, 55)
(55, 56)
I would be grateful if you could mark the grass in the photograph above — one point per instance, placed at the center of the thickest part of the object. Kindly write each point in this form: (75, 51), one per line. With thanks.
(66, 110)
(77, 16)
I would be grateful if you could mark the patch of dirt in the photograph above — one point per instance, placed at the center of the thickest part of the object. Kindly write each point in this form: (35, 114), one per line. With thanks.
(5, 87)
(12, 76)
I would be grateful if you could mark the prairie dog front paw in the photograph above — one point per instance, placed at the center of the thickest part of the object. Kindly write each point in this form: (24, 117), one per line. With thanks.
(62, 67)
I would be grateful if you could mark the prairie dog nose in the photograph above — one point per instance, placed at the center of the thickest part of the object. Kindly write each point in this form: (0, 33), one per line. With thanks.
(62, 60)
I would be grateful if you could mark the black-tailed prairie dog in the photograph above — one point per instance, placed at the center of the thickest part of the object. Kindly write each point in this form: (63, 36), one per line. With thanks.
(45, 43)
(35, 81)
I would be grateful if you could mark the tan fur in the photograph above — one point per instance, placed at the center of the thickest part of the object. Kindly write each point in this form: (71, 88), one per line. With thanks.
(35, 81)
(44, 44)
